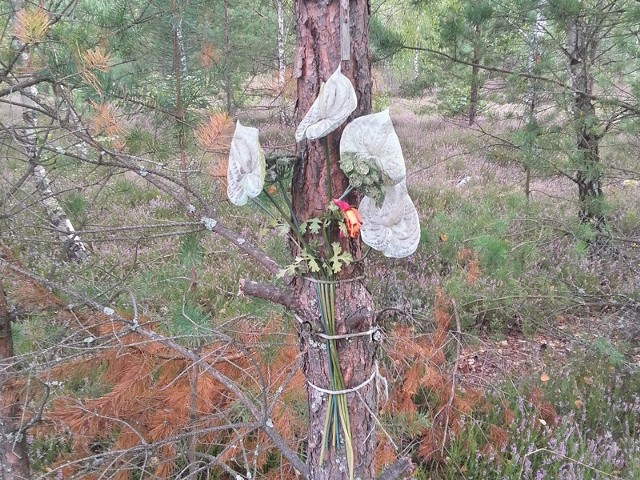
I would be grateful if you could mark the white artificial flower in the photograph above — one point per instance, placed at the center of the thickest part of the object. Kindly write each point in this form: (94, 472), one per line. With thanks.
(394, 228)
(373, 139)
(335, 102)
(245, 175)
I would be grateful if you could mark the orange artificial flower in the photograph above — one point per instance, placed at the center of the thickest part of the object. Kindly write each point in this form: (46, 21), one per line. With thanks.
(354, 222)
(352, 217)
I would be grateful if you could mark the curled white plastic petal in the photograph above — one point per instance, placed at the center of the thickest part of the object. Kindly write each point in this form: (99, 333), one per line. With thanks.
(394, 228)
(373, 137)
(245, 175)
(336, 100)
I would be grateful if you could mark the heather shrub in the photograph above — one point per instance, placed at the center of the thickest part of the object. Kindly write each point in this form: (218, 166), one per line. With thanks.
(583, 422)
(509, 265)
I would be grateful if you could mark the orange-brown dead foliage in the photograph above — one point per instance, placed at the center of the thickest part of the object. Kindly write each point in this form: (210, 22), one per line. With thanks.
(423, 382)
(31, 25)
(468, 260)
(153, 396)
(209, 55)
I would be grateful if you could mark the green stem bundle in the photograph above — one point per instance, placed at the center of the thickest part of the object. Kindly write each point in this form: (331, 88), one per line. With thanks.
(337, 426)
(337, 409)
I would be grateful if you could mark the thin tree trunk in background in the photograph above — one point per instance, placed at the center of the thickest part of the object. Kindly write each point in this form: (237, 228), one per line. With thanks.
(416, 54)
(182, 53)
(282, 65)
(14, 454)
(318, 53)
(57, 217)
(475, 81)
(531, 99)
(192, 443)
(27, 135)
(228, 88)
(179, 69)
(581, 49)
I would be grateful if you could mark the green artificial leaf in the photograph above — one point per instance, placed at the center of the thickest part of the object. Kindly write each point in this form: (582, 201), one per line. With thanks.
(287, 271)
(313, 265)
(313, 225)
(339, 258)
(292, 269)
(343, 228)
(282, 229)
(312, 262)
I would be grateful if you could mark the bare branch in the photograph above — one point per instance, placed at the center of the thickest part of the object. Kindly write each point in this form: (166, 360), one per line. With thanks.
(281, 296)
(260, 414)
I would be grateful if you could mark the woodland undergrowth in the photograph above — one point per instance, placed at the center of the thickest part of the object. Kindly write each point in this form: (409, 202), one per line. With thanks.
(490, 268)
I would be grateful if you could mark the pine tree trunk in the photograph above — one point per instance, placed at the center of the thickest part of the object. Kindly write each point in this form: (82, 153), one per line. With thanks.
(14, 458)
(318, 54)
(27, 135)
(581, 49)
(531, 98)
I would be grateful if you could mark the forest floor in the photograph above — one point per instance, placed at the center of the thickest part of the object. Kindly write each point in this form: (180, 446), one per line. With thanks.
(448, 158)
(447, 155)
(536, 308)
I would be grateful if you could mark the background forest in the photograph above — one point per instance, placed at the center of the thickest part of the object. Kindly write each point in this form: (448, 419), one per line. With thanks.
(510, 340)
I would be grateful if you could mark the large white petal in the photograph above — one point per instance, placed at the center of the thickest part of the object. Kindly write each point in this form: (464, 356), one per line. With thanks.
(394, 228)
(373, 137)
(245, 175)
(335, 102)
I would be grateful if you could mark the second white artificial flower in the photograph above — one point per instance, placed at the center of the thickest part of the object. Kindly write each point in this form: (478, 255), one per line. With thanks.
(335, 102)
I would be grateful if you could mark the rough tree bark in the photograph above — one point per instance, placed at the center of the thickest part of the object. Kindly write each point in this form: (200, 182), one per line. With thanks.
(14, 458)
(26, 133)
(318, 54)
(582, 45)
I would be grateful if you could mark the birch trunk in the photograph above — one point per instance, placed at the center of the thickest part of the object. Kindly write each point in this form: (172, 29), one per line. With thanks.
(179, 71)
(182, 54)
(318, 54)
(282, 65)
(26, 133)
